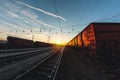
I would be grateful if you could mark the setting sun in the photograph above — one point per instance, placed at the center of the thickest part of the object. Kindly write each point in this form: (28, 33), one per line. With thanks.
(58, 42)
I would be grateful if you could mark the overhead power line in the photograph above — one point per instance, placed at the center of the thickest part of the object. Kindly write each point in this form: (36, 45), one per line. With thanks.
(97, 1)
(56, 10)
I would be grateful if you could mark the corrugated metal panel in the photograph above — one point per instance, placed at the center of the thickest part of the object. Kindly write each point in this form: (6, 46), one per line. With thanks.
(107, 36)
(89, 37)
(79, 40)
(107, 27)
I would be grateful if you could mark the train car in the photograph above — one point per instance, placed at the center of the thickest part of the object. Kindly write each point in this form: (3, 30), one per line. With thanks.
(107, 37)
(42, 44)
(89, 40)
(5, 45)
(102, 40)
(19, 42)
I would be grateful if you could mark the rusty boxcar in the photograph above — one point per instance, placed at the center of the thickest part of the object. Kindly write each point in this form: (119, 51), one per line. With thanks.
(102, 40)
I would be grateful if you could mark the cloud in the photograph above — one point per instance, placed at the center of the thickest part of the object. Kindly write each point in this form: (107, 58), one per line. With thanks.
(43, 11)
(29, 14)
(43, 23)
(32, 18)
(5, 11)
(14, 15)
(22, 19)
(27, 18)
(36, 22)
(11, 6)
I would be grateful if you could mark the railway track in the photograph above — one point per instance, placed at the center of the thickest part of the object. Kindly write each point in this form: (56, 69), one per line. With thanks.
(45, 70)
(16, 50)
(13, 63)
(8, 57)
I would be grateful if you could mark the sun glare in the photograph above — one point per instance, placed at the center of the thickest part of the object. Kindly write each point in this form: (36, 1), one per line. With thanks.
(58, 42)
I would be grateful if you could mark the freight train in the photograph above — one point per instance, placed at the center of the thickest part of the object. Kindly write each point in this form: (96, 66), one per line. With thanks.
(19, 42)
(101, 40)
(25, 43)
(42, 44)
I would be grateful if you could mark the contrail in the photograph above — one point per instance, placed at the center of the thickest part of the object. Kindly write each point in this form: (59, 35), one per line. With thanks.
(43, 11)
